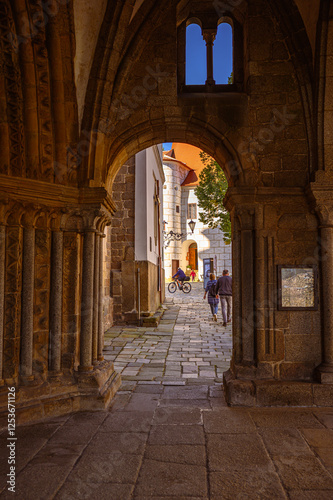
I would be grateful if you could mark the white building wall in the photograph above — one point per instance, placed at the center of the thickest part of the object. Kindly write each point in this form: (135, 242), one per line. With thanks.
(209, 241)
(148, 168)
(172, 197)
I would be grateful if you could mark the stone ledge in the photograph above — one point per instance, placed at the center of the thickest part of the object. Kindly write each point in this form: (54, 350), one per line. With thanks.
(154, 320)
(94, 391)
(273, 393)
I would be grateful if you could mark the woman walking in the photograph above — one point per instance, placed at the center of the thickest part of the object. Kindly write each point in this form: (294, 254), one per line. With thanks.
(212, 300)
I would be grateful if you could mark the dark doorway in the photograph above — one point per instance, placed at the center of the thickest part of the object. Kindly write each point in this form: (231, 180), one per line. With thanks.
(193, 256)
(175, 265)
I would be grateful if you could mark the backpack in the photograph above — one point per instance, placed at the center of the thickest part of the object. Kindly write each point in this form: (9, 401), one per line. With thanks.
(212, 291)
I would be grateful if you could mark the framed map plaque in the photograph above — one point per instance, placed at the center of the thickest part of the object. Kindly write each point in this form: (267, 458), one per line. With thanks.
(297, 288)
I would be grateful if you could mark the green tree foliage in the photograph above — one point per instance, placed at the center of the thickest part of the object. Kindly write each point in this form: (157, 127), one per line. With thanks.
(210, 193)
(231, 78)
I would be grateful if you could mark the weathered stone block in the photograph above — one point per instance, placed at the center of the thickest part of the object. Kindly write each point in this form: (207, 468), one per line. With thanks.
(296, 371)
(323, 394)
(303, 348)
(278, 393)
(238, 392)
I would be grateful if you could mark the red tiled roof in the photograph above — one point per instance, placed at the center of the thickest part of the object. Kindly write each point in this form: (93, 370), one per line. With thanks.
(191, 178)
(189, 157)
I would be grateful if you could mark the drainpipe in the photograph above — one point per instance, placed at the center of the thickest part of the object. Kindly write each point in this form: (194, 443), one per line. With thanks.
(139, 302)
(159, 242)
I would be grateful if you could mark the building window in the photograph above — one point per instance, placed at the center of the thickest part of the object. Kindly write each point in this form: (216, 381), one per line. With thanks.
(222, 55)
(192, 211)
(210, 56)
(195, 58)
(177, 209)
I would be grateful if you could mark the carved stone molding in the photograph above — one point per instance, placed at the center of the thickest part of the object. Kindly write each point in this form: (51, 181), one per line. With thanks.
(321, 197)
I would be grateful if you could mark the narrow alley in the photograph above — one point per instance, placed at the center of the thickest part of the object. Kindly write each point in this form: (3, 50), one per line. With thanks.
(168, 433)
(187, 346)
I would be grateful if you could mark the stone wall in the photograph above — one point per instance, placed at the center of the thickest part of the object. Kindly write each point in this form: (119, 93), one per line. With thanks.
(121, 253)
(122, 239)
(271, 131)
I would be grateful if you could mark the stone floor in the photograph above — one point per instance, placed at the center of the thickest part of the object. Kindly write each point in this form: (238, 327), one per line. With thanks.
(187, 344)
(169, 433)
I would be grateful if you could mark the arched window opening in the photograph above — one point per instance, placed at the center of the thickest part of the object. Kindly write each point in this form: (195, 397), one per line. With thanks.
(223, 55)
(195, 56)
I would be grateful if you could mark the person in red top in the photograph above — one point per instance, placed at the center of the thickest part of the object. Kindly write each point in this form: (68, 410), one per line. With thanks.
(192, 274)
(224, 290)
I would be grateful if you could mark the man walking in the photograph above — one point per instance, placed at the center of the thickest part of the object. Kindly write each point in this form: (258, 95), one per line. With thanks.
(224, 290)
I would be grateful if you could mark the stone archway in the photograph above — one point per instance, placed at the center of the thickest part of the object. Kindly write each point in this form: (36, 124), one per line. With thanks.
(271, 132)
(260, 136)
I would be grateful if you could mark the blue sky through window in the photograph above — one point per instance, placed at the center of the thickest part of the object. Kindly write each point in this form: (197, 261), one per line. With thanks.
(196, 66)
(222, 54)
(196, 72)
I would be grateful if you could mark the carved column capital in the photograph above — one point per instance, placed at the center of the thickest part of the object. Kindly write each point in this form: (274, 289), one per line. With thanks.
(246, 216)
(324, 209)
(320, 194)
(209, 35)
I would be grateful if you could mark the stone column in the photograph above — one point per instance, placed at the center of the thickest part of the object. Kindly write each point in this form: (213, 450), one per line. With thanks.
(2, 292)
(325, 370)
(56, 301)
(96, 300)
(246, 218)
(87, 300)
(236, 291)
(320, 193)
(101, 303)
(209, 37)
(27, 302)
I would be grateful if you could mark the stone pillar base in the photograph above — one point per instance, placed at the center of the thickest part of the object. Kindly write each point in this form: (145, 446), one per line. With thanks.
(62, 394)
(98, 387)
(261, 393)
(324, 374)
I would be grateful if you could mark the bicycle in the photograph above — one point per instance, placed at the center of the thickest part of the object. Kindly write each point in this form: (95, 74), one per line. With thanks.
(172, 287)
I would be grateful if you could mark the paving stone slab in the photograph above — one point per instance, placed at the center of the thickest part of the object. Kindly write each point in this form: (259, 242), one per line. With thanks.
(236, 451)
(149, 389)
(176, 434)
(319, 438)
(202, 404)
(280, 417)
(249, 484)
(289, 442)
(177, 416)
(127, 421)
(163, 479)
(227, 421)
(305, 473)
(186, 392)
(38, 482)
(178, 454)
(87, 491)
(325, 417)
(115, 467)
(310, 495)
(132, 443)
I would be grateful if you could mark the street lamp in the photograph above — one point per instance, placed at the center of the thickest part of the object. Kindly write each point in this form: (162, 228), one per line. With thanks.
(172, 236)
(192, 225)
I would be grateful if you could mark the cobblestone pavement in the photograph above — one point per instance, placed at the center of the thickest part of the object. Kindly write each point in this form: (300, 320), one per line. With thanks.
(186, 346)
(178, 441)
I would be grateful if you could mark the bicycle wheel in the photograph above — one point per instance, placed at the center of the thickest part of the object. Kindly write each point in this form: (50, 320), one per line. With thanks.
(187, 287)
(172, 287)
